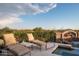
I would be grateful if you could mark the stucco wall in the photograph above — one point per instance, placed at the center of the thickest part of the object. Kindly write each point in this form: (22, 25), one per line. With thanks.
(60, 35)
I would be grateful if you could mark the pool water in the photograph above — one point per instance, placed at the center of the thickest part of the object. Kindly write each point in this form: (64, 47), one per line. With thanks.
(66, 52)
(75, 44)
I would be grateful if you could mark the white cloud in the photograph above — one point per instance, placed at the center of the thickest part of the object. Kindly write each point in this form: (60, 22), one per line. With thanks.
(9, 20)
(10, 13)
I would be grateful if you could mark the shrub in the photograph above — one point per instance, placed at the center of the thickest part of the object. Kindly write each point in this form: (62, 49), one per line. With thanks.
(44, 35)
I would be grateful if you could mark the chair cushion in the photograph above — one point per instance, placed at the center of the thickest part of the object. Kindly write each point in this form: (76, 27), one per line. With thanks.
(18, 49)
(30, 37)
(38, 42)
(9, 39)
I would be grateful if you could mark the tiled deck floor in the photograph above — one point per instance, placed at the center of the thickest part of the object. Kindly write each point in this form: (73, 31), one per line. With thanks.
(36, 51)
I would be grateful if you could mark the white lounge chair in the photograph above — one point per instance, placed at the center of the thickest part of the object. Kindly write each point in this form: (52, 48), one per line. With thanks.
(36, 41)
(13, 46)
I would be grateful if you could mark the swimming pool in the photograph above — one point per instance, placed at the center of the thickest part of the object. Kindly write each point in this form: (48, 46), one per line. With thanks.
(66, 52)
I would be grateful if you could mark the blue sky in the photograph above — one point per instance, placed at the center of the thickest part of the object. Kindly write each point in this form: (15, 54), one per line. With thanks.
(48, 16)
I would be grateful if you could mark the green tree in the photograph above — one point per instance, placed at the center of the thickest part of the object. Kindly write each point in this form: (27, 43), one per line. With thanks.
(37, 29)
(38, 33)
(6, 30)
(52, 36)
(44, 35)
(21, 36)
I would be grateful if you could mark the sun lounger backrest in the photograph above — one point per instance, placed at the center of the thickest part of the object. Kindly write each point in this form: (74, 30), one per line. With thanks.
(30, 37)
(9, 39)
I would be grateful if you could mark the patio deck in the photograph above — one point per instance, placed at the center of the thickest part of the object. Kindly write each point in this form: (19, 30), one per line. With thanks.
(36, 51)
